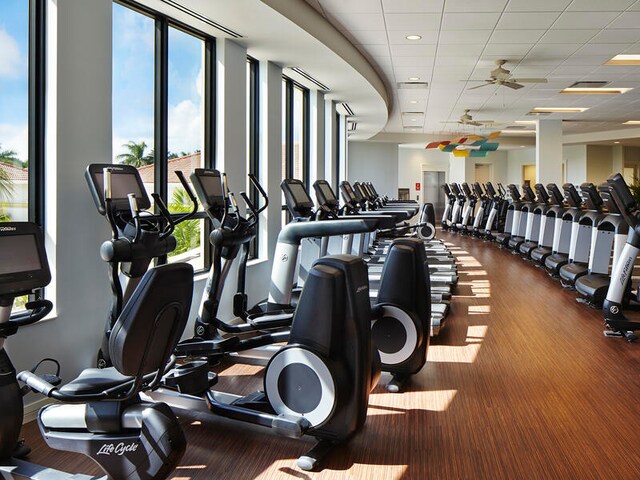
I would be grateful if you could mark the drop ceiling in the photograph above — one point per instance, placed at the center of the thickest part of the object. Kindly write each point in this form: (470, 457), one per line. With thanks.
(564, 41)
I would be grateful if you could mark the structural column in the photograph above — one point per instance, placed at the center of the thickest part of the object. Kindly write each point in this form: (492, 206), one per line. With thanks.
(330, 162)
(549, 151)
(317, 129)
(617, 164)
(232, 108)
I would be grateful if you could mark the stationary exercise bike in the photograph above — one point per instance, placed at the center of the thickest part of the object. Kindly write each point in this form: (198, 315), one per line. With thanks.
(99, 414)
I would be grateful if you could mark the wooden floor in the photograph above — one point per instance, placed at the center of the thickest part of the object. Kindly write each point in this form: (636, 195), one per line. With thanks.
(520, 385)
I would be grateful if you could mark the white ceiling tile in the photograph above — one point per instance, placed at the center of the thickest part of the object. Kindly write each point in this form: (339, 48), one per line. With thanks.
(554, 49)
(454, 61)
(626, 20)
(470, 21)
(369, 37)
(528, 21)
(407, 22)
(573, 70)
(375, 50)
(403, 73)
(537, 5)
(460, 50)
(603, 49)
(542, 60)
(585, 20)
(618, 35)
(599, 5)
(516, 36)
(568, 36)
(399, 37)
(352, 6)
(413, 50)
(413, 61)
(464, 37)
(593, 60)
(412, 6)
(360, 21)
(635, 6)
(506, 51)
(475, 5)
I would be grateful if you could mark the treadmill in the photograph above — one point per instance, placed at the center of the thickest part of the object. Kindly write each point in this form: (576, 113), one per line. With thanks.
(551, 227)
(571, 216)
(526, 215)
(534, 221)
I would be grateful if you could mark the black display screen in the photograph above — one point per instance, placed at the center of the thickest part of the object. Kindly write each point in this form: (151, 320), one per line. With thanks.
(122, 184)
(212, 185)
(327, 192)
(299, 193)
(19, 253)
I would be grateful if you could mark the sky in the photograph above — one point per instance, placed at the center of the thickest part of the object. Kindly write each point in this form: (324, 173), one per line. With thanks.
(14, 30)
(133, 71)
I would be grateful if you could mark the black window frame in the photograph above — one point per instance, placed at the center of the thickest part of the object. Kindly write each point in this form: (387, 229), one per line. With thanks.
(161, 109)
(253, 124)
(336, 175)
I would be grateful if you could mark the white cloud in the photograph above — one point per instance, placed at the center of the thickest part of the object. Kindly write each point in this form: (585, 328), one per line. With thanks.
(185, 127)
(15, 137)
(11, 62)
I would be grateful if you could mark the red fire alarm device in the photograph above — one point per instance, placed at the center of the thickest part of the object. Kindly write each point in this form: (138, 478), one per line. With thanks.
(418, 186)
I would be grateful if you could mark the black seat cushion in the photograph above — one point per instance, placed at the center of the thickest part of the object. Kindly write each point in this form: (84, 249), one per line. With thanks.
(541, 253)
(153, 320)
(94, 380)
(555, 261)
(527, 247)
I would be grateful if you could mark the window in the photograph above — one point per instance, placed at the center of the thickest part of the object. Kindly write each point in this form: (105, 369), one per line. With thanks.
(164, 113)
(22, 87)
(295, 132)
(253, 131)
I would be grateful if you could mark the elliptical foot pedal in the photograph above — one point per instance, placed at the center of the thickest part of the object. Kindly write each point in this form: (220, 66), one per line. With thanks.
(313, 458)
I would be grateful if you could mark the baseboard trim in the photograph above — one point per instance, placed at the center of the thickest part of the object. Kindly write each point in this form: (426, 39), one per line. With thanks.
(31, 409)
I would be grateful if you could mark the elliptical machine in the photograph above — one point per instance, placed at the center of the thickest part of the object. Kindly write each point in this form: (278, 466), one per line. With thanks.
(137, 236)
(100, 413)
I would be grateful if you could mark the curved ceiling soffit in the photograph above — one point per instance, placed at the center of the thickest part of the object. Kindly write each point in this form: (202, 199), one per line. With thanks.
(310, 20)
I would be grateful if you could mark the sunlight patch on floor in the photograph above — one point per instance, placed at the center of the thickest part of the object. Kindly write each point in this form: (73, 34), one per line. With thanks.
(479, 310)
(434, 401)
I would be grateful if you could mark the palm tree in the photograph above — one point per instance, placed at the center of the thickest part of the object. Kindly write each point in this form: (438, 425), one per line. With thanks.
(11, 157)
(135, 155)
(6, 187)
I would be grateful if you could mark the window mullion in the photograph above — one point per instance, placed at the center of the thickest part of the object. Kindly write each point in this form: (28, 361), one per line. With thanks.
(161, 127)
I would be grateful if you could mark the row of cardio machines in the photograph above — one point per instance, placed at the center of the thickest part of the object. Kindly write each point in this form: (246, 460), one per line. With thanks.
(581, 236)
(373, 247)
(323, 344)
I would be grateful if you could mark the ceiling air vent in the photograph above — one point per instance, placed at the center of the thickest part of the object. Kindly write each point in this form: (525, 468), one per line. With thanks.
(589, 84)
(352, 126)
(202, 18)
(412, 85)
(347, 109)
(316, 82)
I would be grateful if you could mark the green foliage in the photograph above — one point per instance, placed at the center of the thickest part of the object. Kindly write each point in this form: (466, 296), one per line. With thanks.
(635, 189)
(11, 157)
(135, 155)
(6, 185)
(187, 233)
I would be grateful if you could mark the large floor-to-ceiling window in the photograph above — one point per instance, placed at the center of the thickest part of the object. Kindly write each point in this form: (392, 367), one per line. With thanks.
(164, 111)
(295, 131)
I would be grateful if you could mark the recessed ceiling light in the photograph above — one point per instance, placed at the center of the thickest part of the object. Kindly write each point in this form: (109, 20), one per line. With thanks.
(525, 122)
(521, 146)
(414, 79)
(413, 37)
(595, 91)
(414, 120)
(413, 101)
(559, 110)
(625, 59)
(632, 122)
(518, 132)
(616, 142)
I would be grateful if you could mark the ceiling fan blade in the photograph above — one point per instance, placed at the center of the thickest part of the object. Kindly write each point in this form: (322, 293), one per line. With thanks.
(474, 123)
(513, 85)
(528, 80)
(480, 86)
(485, 122)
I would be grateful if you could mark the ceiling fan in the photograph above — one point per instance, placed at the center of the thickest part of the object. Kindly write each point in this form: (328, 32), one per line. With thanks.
(501, 76)
(466, 119)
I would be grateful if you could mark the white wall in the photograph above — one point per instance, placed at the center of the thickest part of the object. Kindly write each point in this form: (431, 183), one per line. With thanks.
(376, 163)
(413, 161)
(575, 161)
(516, 158)
(599, 163)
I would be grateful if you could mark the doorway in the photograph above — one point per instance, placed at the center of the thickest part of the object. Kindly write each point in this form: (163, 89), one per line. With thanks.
(483, 173)
(432, 185)
(529, 175)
